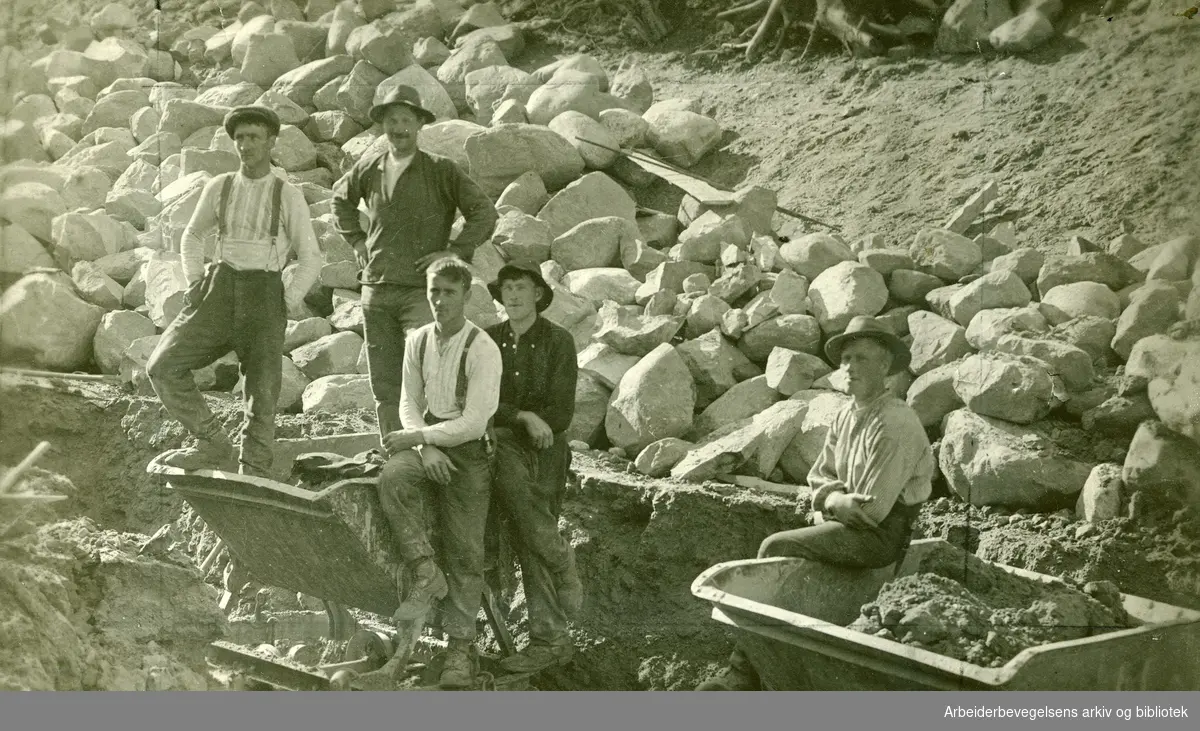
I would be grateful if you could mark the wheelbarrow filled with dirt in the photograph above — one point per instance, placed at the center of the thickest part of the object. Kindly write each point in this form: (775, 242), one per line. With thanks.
(944, 619)
(331, 542)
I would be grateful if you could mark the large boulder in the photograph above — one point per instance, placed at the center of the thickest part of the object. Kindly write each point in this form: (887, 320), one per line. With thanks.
(381, 45)
(485, 88)
(1163, 464)
(741, 401)
(117, 330)
(933, 395)
(681, 137)
(945, 254)
(330, 355)
(580, 130)
(754, 448)
(706, 236)
(1079, 299)
(936, 341)
(1102, 494)
(811, 254)
(568, 90)
(32, 206)
(591, 408)
(1003, 387)
(1070, 363)
(988, 326)
(603, 283)
(716, 365)
(794, 332)
(592, 196)
(1171, 370)
(653, 401)
(1152, 308)
(503, 153)
(632, 334)
(1102, 267)
(340, 393)
(991, 291)
(453, 72)
(845, 291)
(596, 242)
(991, 462)
(20, 252)
(967, 25)
(44, 323)
(302, 82)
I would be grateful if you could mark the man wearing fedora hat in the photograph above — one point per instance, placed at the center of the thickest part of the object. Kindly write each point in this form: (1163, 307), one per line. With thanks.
(537, 403)
(412, 198)
(240, 301)
(869, 481)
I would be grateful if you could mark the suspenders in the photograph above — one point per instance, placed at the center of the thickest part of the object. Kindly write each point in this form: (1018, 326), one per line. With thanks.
(276, 204)
(460, 389)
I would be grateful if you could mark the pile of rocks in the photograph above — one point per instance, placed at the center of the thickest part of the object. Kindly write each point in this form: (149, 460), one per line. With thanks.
(109, 144)
(1013, 26)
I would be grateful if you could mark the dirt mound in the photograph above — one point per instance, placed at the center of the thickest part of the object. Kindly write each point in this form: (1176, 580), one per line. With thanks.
(962, 607)
(84, 611)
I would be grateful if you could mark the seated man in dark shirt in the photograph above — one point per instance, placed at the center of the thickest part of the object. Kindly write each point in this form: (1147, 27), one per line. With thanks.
(537, 403)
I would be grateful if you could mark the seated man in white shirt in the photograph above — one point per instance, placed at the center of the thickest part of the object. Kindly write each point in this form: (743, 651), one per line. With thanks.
(451, 390)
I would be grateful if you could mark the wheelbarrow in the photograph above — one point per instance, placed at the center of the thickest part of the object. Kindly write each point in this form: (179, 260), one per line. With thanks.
(333, 544)
(791, 617)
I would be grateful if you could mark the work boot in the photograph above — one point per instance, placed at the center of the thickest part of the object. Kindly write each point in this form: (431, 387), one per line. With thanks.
(427, 585)
(570, 588)
(536, 658)
(213, 453)
(458, 671)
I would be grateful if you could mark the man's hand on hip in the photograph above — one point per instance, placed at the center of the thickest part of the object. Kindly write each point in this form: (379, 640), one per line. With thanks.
(437, 465)
(539, 431)
(846, 508)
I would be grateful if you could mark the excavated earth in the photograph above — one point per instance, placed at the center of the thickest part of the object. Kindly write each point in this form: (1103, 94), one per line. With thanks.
(89, 611)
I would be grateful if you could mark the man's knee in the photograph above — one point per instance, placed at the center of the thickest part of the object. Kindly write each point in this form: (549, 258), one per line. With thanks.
(771, 546)
(158, 366)
(401, 476)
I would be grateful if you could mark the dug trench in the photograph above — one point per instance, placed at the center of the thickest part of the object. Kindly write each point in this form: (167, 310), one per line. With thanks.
(93, 603)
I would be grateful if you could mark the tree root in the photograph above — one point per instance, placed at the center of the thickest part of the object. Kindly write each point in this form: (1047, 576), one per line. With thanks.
(852, 22)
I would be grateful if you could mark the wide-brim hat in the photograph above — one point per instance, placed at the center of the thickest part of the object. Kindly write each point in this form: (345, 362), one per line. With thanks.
(869, 327)
(516, 271)
(254, 114)
(400, 94)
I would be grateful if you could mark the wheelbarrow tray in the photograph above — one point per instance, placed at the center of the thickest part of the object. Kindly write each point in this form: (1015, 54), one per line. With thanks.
(791, 616)
(333, 544)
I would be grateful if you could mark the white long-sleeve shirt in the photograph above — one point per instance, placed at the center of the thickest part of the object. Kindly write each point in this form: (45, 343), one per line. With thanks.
(430, 386)
(247, 243)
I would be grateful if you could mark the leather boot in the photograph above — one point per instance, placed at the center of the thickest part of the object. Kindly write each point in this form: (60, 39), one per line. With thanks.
(426, 586)
(459, 668)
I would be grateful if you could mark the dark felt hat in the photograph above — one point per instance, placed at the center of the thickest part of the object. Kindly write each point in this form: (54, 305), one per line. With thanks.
(517, 271)
(401, 94)
(869, 327)
(254, 114)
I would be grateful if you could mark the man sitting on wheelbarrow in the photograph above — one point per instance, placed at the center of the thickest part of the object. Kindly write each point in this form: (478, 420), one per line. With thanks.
(537, 402)
(450, 391)
(868, 482)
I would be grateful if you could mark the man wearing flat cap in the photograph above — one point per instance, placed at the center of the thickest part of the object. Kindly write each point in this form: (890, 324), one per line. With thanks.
(870, 479)
(239, 301)
(537, 403)
(412, 199)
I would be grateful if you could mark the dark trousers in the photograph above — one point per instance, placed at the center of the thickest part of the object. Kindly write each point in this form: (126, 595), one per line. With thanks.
(839, 545)
(530, 484)
(460, 519)
(226, 310)
(390, 312)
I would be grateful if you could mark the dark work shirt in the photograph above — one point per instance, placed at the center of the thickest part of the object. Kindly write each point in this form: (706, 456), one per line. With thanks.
(415, 220)
(539, 374)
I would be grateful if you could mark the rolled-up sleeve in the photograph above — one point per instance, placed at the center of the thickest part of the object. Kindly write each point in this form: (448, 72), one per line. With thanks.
(891, 460)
